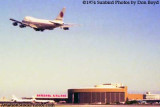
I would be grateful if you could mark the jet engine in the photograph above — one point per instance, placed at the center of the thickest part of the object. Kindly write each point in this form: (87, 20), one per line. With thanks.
(15, 24)
(65, 28)
(22, 26)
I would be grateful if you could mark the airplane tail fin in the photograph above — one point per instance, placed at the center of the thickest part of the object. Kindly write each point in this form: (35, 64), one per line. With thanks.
(61, 15)
(14, 98)
(34, 97)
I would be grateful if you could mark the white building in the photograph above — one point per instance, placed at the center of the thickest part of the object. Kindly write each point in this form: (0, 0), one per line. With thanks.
(150, 96)
(109, 85)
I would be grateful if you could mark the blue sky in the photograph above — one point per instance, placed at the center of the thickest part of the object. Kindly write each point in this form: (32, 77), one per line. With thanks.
(113, 44)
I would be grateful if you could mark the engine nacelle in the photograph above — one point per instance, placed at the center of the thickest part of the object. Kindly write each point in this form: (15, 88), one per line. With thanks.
(15, 24)
(66, 28)
(22, 26)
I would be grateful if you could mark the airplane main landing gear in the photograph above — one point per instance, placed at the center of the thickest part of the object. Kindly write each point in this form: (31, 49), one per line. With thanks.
(38, 29)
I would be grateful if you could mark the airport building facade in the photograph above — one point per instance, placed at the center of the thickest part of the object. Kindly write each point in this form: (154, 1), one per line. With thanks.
(131, 97)
(99, 94)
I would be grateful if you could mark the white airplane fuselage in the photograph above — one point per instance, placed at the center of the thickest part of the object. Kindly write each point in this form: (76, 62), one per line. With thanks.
(40, 23)
(44, 101)
(20, 100)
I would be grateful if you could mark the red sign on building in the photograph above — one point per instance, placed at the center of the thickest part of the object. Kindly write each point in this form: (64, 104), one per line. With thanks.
(52, 96)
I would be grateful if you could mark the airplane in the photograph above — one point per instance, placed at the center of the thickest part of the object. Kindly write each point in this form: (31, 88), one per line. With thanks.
(33, 100)
(15, 99)
(42, 24)
(42, 101)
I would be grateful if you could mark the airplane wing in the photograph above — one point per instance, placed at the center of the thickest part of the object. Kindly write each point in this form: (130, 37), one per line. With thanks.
(58, 23)
(67, 26)
(16, 22)
(33, 26)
